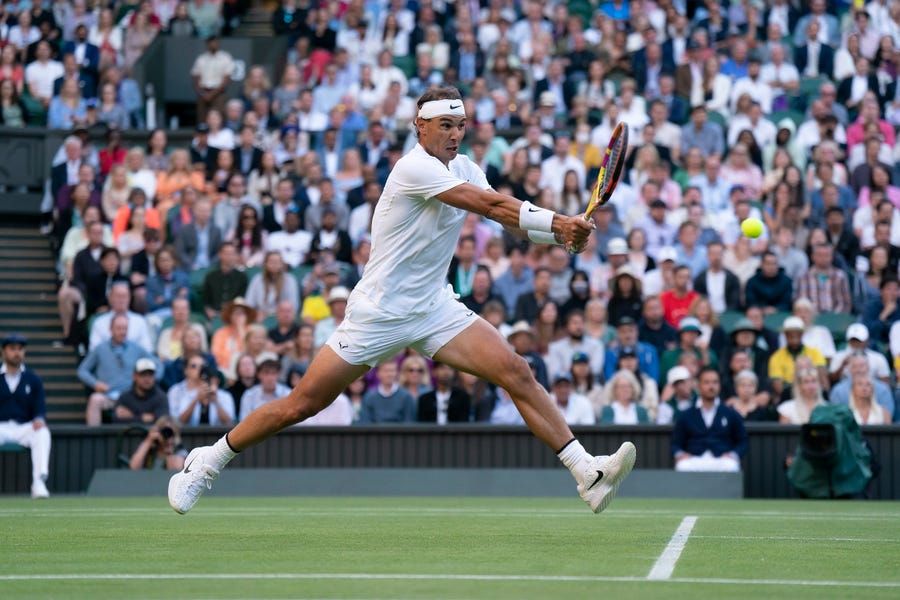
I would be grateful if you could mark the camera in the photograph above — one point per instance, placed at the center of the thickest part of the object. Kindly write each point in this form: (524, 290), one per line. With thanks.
(207, 373)
(167, 433)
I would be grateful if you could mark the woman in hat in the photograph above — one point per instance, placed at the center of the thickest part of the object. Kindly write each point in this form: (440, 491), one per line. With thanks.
(228, 341)
(272, 285)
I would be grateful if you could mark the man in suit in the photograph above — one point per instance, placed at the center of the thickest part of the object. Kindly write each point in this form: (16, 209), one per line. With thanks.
(86, 54)
(198, 243)
(709, 436)
(373, 150)
(691, 69)
(721, 286)
(813, 58)
(648, 65)
(469, 59)
(829, 28)
(852, 90)
(202, 154)
(676, 105)
(71, 70)
(23, 411)
(66, 173)
(282, 203)
(555, 82)
(247, 155)
(445, 403)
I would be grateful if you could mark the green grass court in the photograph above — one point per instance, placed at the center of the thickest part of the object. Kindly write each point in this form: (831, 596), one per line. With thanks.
(445, 548)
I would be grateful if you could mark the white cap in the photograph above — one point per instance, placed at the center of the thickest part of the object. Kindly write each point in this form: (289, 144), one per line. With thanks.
(617, 245)
(793, 324)
(143, 365)
(858, 331)
(338, 293)
(666, 253)
(677, 373)
(267, 357)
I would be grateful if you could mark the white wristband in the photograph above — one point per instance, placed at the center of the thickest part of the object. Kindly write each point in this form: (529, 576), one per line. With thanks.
(533, 218)
(540, 237)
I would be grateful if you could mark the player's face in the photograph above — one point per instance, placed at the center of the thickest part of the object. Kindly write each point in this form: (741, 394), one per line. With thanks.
(442, 136)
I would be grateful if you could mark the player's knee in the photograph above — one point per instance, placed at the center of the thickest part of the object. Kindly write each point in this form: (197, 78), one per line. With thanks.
(516, 373)
(299, 408)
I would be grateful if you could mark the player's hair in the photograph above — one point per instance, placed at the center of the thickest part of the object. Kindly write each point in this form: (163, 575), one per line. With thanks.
(446, 92)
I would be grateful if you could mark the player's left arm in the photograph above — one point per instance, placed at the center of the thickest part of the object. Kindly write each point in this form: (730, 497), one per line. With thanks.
(505, 210)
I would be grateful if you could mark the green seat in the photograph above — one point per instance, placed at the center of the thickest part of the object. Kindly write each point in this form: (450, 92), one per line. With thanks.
(197, 277)
(216, 324)
(251, 272)
(728, 319)
(794, 115)
(774, 320)
(270, 322)
(196, 317)
(407, 64)
(837, 324)
(809, 87)
(300, 274)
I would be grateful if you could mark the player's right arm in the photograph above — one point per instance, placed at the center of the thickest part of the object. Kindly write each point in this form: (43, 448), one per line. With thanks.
(505, 209)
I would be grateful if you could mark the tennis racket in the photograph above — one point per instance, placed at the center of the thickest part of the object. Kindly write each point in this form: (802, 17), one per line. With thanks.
(610, 170)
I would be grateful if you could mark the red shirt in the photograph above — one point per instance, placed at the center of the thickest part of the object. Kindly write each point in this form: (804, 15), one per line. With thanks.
(676, 308)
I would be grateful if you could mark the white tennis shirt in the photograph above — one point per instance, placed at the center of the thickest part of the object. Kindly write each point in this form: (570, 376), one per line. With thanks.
(414, 234)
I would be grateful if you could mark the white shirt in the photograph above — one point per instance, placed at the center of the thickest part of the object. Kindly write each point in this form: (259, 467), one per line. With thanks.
(812, 59)
(212, 68)
(42, 75)
(578, 411)
(293, 247)
(859, 85)
(708, 414)
(311, 121)
(256, 397)
(138, 332)
(559, 355)
(554, 169)
(624, 415)
(414, 234)
(878, 365)
(12, 381)
(783, 72)
(339, 412)
(759, 90)
(715, 288)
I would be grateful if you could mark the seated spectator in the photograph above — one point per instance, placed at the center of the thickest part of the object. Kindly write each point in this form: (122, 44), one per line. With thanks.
(627, 337)
(625, 295)
(140, 268)
(522, 338)
(560, 352)
(866, 411)
(192, 342)
(13, 111)
(882, 312)
(41, 73)
(825, 285)
(689, 341)
(198, 242)
(169, 345)
(337, 305)
(677, 396)
(770, 288)
(388, 402)
(166, 285)
(807, 396)
(709, 436)
(748, 400)
(815, 336)
(84, 266)
(575, 408)
(107, 369)
(624, 395)
(858, 367)
(781, 364)
(67, 109)
(198, 400)
(415, 376)
(145, 402)
(228, 341)
(857, 341)
(137, 329)
(224, 283)
(23, 418)
(268, 370)
(720, 285)
(171, 182)
(446, 403)
(110, 111)
(677, 301)
(291, 242)
(228, 206)
(711, 333)
(161, 448)
(131, 241)
(98, 286)
(250, 237)
(301, 351)
(281, 337)
(272, 285)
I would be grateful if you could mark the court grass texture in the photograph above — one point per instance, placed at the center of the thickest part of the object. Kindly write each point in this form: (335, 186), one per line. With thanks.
(80, 547)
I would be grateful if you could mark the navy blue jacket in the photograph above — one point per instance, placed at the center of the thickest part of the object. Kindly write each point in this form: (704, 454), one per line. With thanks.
(26, 403)
(727, 433)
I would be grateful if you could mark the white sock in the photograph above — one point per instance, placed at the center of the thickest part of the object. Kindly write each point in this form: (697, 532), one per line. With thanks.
(221, 454)
(575, 457)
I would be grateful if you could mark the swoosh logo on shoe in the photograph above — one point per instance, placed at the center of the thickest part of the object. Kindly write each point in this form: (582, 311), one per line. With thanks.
(596, 481)
(455, 107)
(187, 467)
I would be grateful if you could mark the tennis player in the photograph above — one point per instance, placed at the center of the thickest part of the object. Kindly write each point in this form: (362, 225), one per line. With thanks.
(402, 301)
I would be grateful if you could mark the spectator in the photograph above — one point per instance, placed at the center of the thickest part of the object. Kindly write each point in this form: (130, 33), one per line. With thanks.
(858, 366)
(825, 285)
(192, 342)
(268, 369)
(807, 396)
(136, 325)
(23, 418)
(882, 312)
(689, 341)
(212, 75)
(624, 394)
(576, 409)
(857, 339)
(138, 37)
(677, 396)
(781, 363)
(720, 285)
(40, 74)
(446, 403)
(770, 288)
(292, 243)
(271, 286)
(169, 346)
(702, 133)
(108, 366)
(145, 402)
(387, 403)
(199, 241)
(337, 305)
(161, 448)
(68, 109)
(677, 301)
(301, 351)
(709, 436)
(559, 356)
(224, 283)
(228, 342)
(627, 340)
(862, 402)
(198, 400)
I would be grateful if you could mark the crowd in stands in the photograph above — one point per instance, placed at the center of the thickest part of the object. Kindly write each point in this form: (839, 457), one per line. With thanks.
(226, 265)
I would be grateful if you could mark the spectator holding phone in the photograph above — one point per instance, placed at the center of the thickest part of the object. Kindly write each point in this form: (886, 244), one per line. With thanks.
(161, 449)
(198, 400)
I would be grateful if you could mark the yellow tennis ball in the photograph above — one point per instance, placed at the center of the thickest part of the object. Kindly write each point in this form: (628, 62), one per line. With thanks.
(752, 227)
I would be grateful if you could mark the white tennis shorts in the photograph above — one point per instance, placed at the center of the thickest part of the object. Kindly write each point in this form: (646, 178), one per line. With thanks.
(368, 335)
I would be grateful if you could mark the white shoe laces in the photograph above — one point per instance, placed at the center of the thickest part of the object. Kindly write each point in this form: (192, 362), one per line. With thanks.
(205, 477)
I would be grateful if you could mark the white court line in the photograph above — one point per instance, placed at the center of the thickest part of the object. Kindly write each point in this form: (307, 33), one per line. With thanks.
(665, 564)
(790, 538)
(438, 577)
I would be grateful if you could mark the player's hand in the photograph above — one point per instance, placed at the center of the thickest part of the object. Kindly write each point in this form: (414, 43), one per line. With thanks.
(572, 232)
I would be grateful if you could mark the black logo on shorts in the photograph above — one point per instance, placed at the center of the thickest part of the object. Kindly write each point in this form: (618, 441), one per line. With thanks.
(343, 346)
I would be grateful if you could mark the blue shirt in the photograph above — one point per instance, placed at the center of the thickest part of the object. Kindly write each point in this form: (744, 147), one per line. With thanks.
(840, 394)
(648, 360)
(113, 365)
(509, 287)
(696, 261)
(202, 259)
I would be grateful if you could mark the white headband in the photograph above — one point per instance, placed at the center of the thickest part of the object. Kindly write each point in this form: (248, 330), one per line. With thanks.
(438, 108)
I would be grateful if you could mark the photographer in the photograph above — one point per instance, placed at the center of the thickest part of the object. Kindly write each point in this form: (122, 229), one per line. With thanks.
(161, 448)
(198, 400)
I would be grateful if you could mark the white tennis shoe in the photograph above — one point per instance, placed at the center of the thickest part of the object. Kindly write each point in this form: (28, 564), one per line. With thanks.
(603, 475)
(186, 486)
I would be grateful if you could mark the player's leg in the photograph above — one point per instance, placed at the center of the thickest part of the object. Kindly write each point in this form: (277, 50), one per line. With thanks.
(481, 350)
(327, 376)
